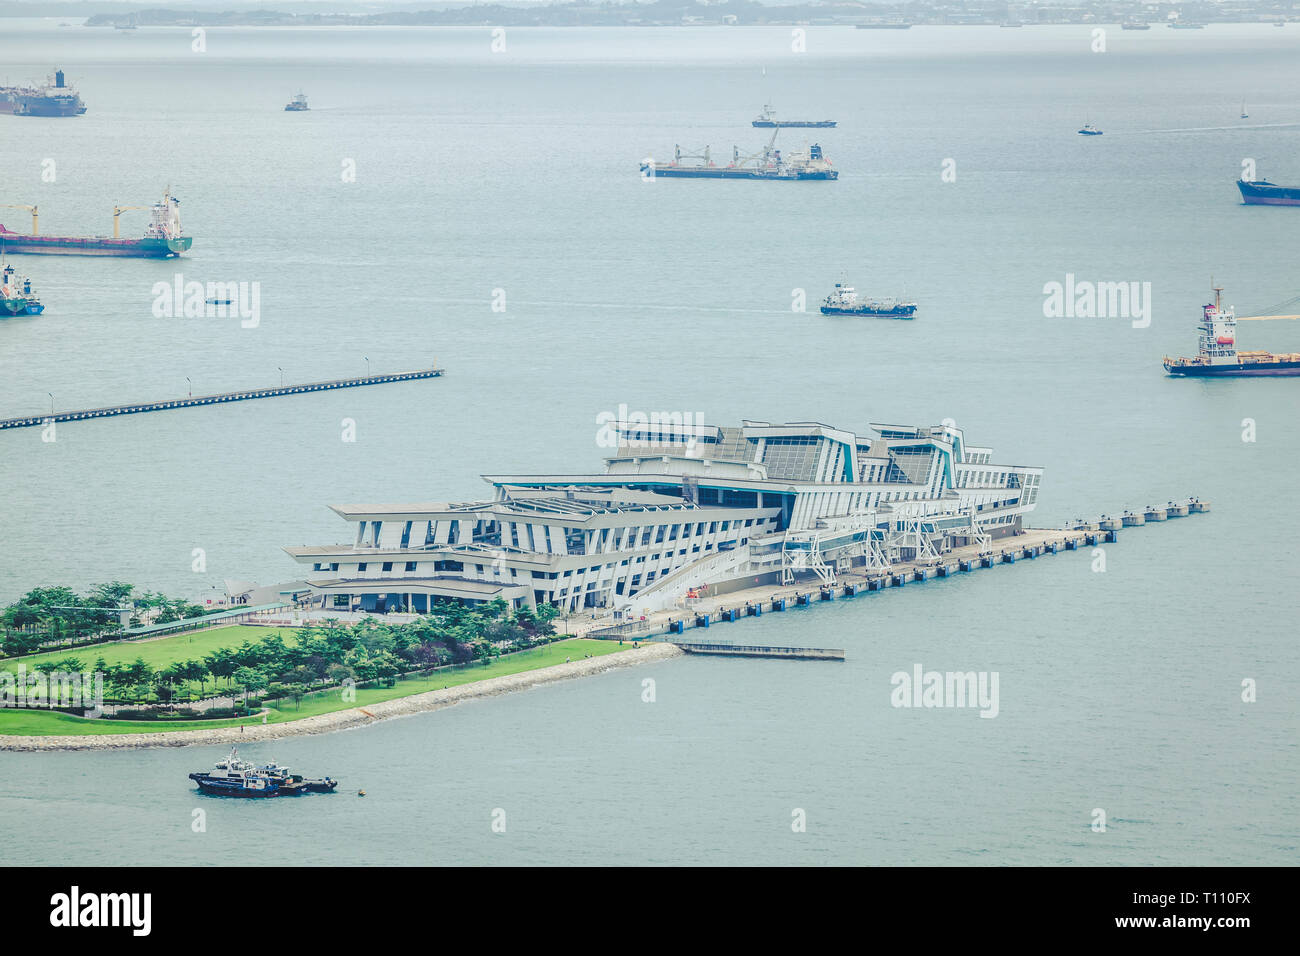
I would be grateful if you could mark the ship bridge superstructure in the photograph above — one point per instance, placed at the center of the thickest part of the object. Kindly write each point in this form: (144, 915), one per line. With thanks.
(1218, 331)
(677, 507)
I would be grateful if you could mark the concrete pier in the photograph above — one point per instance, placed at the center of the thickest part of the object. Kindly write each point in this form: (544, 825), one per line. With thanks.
(194, 401)
(1133, 520)
(1155, 514)
(750, 602)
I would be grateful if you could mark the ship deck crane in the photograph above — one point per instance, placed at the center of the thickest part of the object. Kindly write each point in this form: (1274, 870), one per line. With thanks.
(678, 156)
(1271, 312)
(117, 211)
(763, 156)
(30, 209)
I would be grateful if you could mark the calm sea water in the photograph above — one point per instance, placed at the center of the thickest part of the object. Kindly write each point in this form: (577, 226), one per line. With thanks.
(518, 171)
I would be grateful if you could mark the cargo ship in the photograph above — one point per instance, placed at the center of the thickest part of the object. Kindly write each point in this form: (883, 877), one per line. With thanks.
(767, 120)
(1218, 356)
(844, 301)
(16, 295)
(55, 98)
(162, 239)
(769, 163)
(1261, 192)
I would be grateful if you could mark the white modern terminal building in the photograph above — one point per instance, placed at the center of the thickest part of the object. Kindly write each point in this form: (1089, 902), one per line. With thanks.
(678, 508)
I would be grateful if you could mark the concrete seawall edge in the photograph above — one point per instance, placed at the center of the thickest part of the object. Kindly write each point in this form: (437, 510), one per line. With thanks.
(353, 717)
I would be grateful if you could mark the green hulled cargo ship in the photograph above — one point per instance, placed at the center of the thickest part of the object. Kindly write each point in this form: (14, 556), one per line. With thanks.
(162, 240)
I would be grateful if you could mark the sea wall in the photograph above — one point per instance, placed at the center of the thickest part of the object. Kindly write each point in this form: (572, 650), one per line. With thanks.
(353, 717)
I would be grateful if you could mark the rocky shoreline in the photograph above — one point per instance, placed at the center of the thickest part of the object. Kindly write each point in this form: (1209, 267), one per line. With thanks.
(353, 717)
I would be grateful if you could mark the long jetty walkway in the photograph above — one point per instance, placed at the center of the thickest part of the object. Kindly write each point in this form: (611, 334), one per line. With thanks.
(193, 401)
(763, 650)
(1029, 545)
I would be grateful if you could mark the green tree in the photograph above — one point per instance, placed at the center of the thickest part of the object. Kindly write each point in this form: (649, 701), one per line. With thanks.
(338, 673)
(221, 663)
(247, 679)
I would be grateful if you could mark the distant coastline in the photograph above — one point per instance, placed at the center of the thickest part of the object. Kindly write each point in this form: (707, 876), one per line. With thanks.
(690, 13)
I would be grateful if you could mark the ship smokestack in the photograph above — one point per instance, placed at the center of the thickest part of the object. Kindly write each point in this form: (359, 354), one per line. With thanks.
(58, 78)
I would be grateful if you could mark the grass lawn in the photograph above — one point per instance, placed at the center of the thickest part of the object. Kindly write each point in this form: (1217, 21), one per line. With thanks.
(45, 723)
(159, 653)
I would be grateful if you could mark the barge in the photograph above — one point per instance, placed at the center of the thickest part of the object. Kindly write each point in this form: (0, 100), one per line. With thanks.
(767, 120)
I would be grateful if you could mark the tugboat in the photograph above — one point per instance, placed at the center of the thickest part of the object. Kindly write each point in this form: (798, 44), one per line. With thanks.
(1218, 356)
(767, 120)
(16, 295)
(298, 104)
(236, 777)
(844, 301)
(1089, 130)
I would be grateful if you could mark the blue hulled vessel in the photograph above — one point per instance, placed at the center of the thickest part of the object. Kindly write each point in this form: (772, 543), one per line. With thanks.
(16, 296)
(845, 301)
(235, 777)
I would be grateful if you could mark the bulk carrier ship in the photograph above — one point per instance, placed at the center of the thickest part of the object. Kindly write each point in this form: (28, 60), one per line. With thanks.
(768, 163)
(1218, 356)
(162, 240)
(55, 98)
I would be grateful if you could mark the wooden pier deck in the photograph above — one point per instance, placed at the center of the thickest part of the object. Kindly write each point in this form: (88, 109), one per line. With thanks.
(193, 401)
